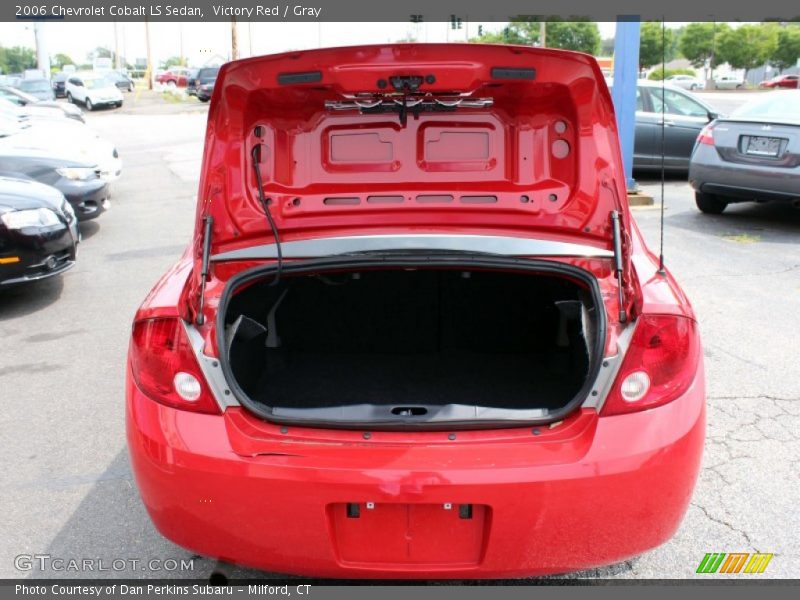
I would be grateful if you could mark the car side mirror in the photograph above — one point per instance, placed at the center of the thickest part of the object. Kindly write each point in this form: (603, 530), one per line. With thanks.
(712, 115)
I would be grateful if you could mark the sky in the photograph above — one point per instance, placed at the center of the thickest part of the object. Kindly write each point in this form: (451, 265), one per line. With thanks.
(202, 41)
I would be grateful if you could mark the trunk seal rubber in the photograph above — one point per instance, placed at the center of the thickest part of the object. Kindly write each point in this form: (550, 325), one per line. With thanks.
(413, 259)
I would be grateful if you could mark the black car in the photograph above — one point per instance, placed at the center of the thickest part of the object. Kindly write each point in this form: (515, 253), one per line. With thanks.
(59, 84)
(38, 232)
(204, 83)
(85, 190)
(21, 98)
(191, 82)
(122, 81)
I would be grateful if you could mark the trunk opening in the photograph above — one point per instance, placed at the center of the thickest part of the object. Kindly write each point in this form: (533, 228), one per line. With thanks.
(474, 344)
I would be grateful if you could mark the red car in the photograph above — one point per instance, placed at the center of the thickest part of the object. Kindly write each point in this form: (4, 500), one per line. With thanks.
(417, 333)
(174, 77)
(782, 81)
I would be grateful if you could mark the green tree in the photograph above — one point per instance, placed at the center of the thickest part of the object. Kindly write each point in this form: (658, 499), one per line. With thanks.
(59, 60)
(698, 42)
(175, 61)
(788, 49)
(651, 45)
(581, 36)
(17, 59)
(748, 46)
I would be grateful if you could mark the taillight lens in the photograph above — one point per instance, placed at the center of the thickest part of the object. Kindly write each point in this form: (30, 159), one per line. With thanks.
(706, 135)
(165, 368)
(660, 364)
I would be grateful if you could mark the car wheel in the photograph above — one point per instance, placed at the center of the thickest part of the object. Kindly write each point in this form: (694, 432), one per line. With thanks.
(739, 86)
(89, 105)
(172, 84)
(710, 204)
(130, 87)
(119, 104)
(693, 87)
(69, 98)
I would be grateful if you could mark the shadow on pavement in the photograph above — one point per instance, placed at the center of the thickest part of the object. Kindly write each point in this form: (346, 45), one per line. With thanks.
(29, 298)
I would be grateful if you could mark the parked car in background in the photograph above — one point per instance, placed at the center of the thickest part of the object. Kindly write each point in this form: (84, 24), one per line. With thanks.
(38, 88)
(728, 82)
(21, 98)
(122, 81)
(343, 404)
(752, 155)
(781, 81)
(174, 77)
(687, 82)
(93, 90)
(685, 115)
(24, 113)
(205, 83)
(191, 82)
(59, 84)
(38, 231)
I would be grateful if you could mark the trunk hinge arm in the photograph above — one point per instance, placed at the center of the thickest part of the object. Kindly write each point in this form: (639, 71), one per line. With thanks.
(618, 268)
(208, 221)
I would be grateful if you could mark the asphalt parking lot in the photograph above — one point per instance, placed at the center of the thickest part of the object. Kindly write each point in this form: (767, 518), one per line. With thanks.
(69, 491)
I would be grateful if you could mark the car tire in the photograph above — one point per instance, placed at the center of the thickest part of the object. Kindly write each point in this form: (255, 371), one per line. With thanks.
(693, 87)
(710, 204)
(118, 104)
(739, 86)
(69, 98)
(130, 88)
(172, 84)
(89, 105)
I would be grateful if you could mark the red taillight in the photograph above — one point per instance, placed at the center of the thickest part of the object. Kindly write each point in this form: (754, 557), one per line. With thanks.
(659, 366)
(165, 368)
(706, 135)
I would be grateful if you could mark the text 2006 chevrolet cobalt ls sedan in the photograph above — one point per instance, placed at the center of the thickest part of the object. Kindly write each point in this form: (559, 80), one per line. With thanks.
(417, 333)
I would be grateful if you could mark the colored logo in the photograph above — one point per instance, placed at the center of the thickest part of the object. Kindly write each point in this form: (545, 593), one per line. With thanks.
(736, 562)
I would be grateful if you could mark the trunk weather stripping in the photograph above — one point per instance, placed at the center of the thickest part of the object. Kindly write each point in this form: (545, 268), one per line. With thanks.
(371, 417)
(476, 244)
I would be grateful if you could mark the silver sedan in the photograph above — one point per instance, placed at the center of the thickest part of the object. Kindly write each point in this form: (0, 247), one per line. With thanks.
(752, 155)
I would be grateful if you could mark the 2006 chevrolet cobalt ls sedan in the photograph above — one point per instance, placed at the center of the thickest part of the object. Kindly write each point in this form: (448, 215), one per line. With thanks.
(417, 333)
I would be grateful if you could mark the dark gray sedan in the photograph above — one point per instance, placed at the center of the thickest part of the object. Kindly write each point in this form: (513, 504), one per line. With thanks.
(753, 155)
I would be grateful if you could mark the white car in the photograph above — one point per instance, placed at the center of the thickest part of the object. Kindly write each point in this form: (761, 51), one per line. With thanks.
(66, 138)
(728, 82)
(687, 82)
(91, 89)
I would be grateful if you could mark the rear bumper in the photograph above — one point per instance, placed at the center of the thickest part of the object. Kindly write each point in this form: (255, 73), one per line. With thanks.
(710, 174)
(590, 492)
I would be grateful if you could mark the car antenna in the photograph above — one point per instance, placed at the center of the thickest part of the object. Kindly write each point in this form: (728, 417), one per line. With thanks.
(661, 270)
(256, 155)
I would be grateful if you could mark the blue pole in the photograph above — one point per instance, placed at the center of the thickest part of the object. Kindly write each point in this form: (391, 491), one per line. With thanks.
(626, 74)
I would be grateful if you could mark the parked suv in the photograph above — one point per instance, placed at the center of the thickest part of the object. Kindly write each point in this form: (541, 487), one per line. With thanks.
(417, 332)
(93, 90)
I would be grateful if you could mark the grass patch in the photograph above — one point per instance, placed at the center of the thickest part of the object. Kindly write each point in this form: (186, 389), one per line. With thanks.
(742, 238)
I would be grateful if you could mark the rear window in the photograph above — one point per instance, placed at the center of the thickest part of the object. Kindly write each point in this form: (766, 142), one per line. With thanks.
(206, 75)
(773, 105)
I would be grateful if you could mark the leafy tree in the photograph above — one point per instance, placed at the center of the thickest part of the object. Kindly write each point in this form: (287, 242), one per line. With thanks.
(698, 42)
(581, 36)
(175, 61)
(651, 45)
(59, 60)
(748, 46)
(788, 49)
(17, 59)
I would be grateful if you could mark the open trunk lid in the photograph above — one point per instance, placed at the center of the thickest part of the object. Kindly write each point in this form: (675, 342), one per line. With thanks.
(487, 140)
